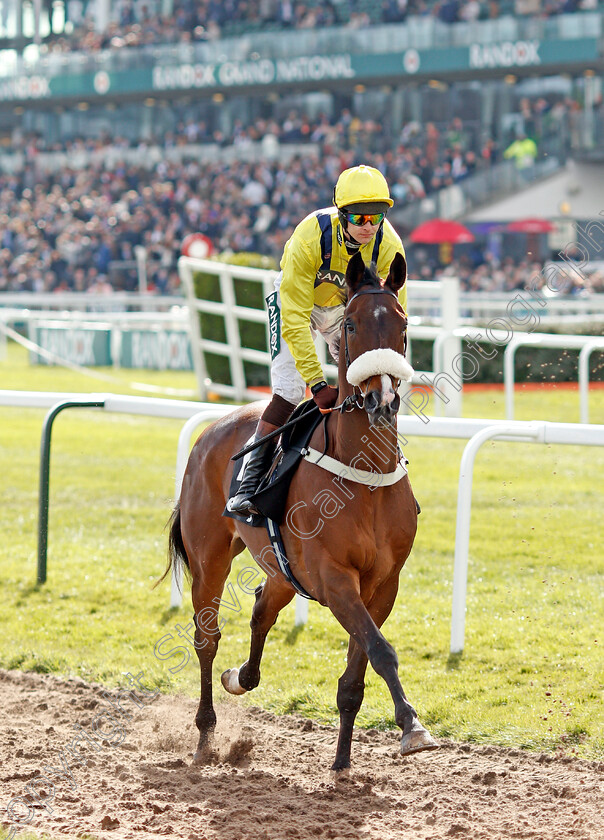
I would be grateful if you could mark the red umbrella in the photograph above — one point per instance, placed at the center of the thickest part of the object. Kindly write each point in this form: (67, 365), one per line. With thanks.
(437, 231)
(530, 226)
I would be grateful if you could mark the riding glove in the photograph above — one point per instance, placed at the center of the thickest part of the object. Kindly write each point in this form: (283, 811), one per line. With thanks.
(326, 397)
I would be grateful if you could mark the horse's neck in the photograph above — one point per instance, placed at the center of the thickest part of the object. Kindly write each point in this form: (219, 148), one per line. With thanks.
(354, 441)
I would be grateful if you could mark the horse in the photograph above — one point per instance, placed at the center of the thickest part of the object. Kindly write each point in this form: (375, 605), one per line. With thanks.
(351, 563)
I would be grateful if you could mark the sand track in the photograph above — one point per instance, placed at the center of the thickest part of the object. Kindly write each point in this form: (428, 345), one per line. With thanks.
(269, 779)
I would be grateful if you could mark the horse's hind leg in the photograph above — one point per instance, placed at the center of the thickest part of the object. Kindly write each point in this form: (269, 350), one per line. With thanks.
(209, 576)
(271, 597)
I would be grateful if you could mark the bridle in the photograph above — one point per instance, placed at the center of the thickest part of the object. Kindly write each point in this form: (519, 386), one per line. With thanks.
(357, 400)
(349, 403)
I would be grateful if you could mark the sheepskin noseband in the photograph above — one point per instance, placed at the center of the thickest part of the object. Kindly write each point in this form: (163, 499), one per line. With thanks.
(378, 362)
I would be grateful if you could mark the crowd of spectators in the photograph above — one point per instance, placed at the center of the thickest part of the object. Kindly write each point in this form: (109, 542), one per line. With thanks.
(418, 161)
(483, 272)
(63, 229)
(438, 154)
(139, 24)
(79, 228)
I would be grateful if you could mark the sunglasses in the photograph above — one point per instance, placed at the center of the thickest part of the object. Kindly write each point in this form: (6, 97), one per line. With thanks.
(360, 219)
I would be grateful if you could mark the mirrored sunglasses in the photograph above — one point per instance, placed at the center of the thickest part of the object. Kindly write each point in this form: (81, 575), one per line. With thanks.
(360, 219)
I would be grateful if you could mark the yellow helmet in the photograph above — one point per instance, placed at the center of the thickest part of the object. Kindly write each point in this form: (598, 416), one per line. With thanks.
(361, 185)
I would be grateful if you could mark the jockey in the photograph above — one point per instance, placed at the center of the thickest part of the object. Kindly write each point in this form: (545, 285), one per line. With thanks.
(310, 297)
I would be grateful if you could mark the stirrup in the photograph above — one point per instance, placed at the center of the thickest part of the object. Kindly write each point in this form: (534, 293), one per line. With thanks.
(245, 506)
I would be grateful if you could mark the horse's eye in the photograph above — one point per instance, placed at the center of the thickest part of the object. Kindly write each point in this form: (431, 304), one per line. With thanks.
(349, 326)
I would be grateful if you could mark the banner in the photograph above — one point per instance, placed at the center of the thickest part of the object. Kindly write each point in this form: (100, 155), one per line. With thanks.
(473, 59)
(104, 345)
(88, 346)
(156, 349)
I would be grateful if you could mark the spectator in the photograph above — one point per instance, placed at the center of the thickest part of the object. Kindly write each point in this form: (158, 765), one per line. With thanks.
(524, 151)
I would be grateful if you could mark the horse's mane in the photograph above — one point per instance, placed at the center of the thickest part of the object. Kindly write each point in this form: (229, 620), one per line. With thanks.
(370, 277)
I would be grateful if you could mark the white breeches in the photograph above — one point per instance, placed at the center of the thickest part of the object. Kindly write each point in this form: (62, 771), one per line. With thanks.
(285, 379)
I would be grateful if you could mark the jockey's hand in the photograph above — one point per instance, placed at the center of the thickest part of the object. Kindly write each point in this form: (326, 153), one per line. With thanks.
(327, 397)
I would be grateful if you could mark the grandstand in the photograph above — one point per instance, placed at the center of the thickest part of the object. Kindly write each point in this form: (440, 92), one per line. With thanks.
(131, 124)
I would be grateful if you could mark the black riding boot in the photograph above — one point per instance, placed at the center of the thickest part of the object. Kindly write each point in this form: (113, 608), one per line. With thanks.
(256, 467)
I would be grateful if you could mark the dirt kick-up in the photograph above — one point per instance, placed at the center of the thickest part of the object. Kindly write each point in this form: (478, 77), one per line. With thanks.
(351, 563)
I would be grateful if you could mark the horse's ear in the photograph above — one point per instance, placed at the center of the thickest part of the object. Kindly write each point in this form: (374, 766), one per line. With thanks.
(398, 273)
(355, 273)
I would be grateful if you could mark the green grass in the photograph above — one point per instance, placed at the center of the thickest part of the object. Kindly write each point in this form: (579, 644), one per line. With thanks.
(530, 676)
(26, 835)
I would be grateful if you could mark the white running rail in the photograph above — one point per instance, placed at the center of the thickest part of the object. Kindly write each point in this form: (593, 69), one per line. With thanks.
(476, 431)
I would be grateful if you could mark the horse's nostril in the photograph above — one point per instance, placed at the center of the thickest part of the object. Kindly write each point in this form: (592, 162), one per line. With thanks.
(378, 410)
(371, 402)
(386, 404)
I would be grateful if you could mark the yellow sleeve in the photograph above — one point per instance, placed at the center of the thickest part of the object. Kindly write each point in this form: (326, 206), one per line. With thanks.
(297, 300)
(390, 247)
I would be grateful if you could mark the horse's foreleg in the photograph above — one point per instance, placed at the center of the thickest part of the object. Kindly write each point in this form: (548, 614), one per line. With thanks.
(345, 603)
(351, 687)
(271, 597)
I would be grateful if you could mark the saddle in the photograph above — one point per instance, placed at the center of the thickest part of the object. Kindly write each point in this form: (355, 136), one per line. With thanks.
(272, 491)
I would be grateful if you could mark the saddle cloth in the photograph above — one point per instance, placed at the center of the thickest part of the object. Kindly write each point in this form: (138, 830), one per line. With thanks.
(272, 492)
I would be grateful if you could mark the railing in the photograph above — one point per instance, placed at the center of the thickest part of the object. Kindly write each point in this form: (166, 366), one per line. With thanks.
(585, 343)
(512, 340)
(475, 307)
(482, 307)
(531, 432)
(477, 432)
(54, 302)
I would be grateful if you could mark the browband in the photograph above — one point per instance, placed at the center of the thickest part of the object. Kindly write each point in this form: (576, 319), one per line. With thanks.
(372, 291)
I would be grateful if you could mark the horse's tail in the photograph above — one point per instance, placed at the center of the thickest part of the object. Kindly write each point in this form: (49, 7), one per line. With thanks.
(176, 548)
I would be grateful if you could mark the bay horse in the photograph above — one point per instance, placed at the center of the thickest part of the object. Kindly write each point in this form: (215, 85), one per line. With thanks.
(348, 554)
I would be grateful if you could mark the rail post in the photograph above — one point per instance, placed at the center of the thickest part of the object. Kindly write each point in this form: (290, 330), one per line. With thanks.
(44, 490)
(524, 431)
(451, 347)
(596, 344)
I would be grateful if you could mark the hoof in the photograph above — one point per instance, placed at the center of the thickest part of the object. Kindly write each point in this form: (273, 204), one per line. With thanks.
(416, 741)
(340, 775)
(205, 756)
(230, 681)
